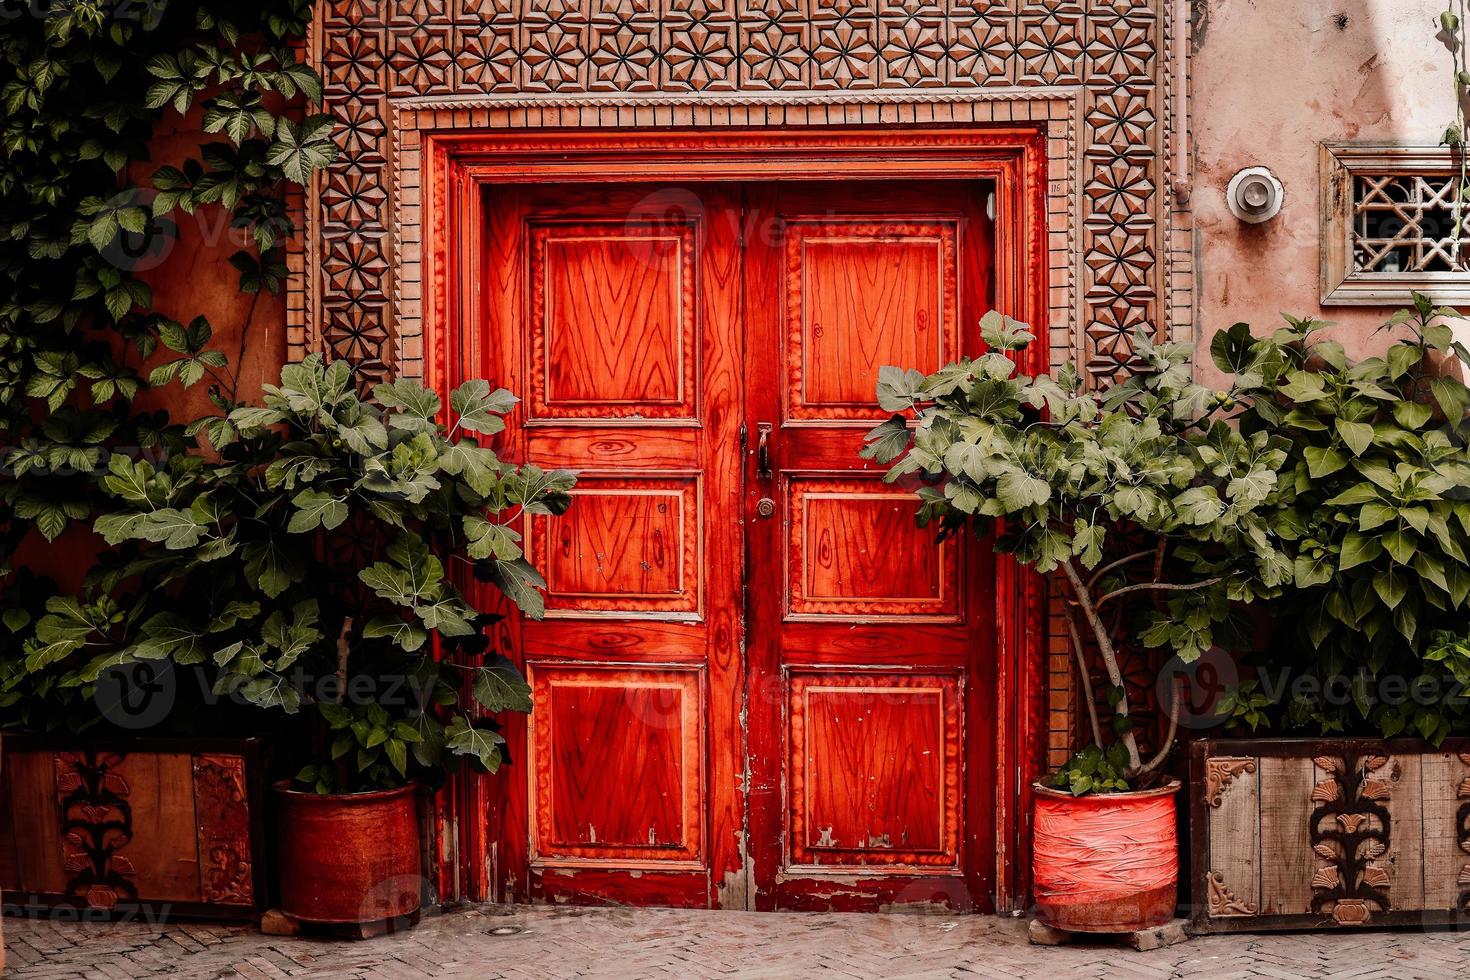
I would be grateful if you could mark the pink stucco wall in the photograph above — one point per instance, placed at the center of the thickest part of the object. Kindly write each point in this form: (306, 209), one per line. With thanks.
(1272, 79)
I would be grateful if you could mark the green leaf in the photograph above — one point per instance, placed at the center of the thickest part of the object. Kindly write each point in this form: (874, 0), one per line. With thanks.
(518, 580)
(486, 539)
(1199, 506)
(1412, 415)
(409, 636)
(1017, 490)
(479, 409)
(301, 148)
(1358, 549)
(416, 408)
(1323, 461)
(316, 509)
(482, 745)
(1400, 545)
(498, 686)
(888, 441)
(1357, 435)
(1402, 357)
(1391, 586)
(175, 529)
(1452, 397)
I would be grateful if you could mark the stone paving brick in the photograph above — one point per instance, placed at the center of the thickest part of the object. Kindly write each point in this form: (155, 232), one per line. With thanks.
(663, 944)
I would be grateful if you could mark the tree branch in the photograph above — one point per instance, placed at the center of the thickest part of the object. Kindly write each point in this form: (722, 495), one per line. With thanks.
(1158, 587)
(1168, 742)
(1109, 656)
(1084, 675)
(1110, 566)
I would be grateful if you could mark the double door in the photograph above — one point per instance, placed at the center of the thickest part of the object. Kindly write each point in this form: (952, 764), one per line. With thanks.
(757, 683)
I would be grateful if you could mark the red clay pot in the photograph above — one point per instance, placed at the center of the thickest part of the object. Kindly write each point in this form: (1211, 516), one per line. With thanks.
(1106, 862)
(350, 858)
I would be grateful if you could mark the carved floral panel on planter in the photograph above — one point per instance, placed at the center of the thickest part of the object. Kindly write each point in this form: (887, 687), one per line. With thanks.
(1341, 833)
(132, 823)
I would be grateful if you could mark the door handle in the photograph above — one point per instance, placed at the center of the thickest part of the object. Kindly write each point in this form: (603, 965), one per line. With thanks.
(763, 451)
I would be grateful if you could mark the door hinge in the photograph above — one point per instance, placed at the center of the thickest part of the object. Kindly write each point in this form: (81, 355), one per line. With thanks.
(742, 437)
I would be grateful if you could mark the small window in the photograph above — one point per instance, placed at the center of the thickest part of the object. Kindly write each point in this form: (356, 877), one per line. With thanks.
(1388, 225)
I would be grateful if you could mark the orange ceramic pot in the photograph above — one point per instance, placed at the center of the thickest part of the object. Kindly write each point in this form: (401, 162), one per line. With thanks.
(1106, 862)
(350, 858)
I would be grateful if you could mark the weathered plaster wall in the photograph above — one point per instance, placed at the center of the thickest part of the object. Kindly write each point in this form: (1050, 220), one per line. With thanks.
(1271, 80)
(191, 277)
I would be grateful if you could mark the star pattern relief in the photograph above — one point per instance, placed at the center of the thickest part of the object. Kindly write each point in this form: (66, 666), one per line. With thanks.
(554, 56)
(376, 50)
(1051, 51)
(624, 58)
(1121, 189)
(1120, 50)
(420, 62)
(774, 57)
(913, 52)
(845, 52)
(979, 52)
(487, 59)
(699, 55)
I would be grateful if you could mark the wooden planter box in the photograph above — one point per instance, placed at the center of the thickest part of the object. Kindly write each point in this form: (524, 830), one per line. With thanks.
(130, 826)
(1328, 834)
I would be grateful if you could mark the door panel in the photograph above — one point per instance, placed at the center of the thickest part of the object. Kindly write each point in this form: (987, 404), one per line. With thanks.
(618, 309)
(869, 648)
(860, 295)
(613, 320)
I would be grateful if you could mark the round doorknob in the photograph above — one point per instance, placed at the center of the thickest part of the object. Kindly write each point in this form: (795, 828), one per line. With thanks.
(765, 507)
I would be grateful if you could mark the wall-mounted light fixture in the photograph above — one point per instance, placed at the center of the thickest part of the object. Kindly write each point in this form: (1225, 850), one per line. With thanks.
(1255, 195)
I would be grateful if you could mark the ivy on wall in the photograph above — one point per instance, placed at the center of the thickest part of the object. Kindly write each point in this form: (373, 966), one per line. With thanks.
(83, 211)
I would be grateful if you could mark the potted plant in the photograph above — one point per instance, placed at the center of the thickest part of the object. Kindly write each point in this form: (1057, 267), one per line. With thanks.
(314, 570)
(1151, 512)
(1366, 666)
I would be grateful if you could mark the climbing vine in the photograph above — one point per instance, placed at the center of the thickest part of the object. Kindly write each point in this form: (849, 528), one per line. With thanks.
(1452, 33)
(83, 211)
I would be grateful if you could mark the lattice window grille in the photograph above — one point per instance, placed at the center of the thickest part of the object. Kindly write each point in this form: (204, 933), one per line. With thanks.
(1405, 223)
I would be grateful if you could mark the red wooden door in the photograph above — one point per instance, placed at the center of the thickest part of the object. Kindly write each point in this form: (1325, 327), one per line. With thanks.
(869, 648)
(734, 709)
(615, 310)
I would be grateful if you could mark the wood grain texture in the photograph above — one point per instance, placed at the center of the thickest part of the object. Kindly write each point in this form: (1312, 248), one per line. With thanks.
(1440, 775)
(35, 817)
(627, 544)
(618, 764)
(613, 320)
(1235, 843)
(1404, 860)
(861, 295)
(1287, 861)
(875, 769)
(855, 552)
(1355, 832)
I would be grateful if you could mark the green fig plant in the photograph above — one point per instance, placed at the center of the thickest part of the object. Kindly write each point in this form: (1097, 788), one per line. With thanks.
(1374, 509)
(1154, 512)
(317, 569)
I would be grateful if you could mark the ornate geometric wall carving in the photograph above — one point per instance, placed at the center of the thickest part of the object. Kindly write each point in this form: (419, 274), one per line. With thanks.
(1105, 59)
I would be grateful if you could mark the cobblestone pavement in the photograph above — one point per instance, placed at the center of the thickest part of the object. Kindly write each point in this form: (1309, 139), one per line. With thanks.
(554, 943)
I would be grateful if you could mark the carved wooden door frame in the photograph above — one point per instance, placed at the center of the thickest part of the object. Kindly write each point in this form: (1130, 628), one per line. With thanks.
(457, 165)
